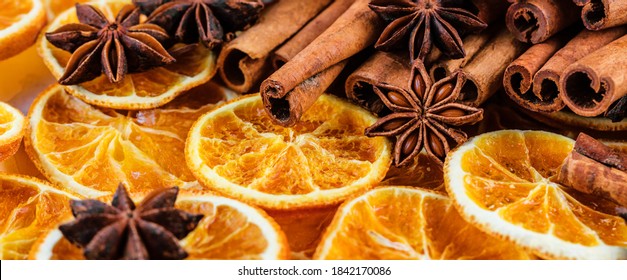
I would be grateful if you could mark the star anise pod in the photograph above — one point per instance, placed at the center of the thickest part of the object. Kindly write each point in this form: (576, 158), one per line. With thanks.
(209, 21)
(425, 23)
(424, 116)
(114, 48)
(121, 231)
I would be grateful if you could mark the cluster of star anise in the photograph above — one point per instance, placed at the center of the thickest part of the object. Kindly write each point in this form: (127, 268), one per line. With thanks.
(424, 116)
(124, 45)
(122, 231)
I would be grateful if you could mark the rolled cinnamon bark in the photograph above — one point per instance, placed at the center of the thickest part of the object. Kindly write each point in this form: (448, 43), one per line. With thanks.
(245, 60)
(381, 68)
(592, 84)
(534, 21)
(484, 66)
(549, 59)
(595, 168)
(352, 32)
(308, 33)
(601, 14)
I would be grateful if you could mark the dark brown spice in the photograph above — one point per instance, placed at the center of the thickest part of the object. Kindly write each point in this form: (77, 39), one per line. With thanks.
(113, 48)
(210, 22)
(121, 231)
(424, 116)
(425, 23)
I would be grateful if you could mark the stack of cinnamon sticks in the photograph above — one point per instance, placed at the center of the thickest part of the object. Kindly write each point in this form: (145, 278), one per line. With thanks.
(583, 70)
(546, 54)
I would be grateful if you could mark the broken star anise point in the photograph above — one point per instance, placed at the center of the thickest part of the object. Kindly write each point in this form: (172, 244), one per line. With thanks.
(113, 48)
(424, 116)
(210, 22)
(425, 23)
(123, 231)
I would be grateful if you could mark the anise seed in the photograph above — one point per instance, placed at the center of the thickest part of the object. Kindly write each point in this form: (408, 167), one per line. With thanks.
(410, 144)
(436, 146)
(443, 92)
(453, 113)
(394, 124)
(419, 87)
(398, 99)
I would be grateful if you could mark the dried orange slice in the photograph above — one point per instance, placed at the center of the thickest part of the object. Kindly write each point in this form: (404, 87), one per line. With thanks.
(12, 126)
(28, 207)
(229, 230)
(90, 150)
(502, 183)
(407, 223)
(237, 151)
(20, 22)
(144, 90)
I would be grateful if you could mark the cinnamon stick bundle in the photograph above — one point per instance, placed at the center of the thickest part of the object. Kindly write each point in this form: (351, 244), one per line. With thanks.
(532, 80)
(601, 14)
(381, 68)
(594, 168)
(534, 21)
(352, 32)
(592, 84)
(245, 60)
(487, 56)
(308, 33)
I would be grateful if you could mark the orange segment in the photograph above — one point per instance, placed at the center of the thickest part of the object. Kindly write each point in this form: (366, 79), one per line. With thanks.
(419, 224)
(28, 207)
(228, 230)
(12, 125)
(145, 90)
(90, 150)
(502, 183)
(237, 151)
(20, 22)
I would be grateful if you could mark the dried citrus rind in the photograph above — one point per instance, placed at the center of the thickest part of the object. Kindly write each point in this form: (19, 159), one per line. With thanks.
(90, 150)
(503, 183)
(12, 125)
(237, 151)
(20, 22)
(28, 207)
(229, 230)
(145, 90)
(407, 223)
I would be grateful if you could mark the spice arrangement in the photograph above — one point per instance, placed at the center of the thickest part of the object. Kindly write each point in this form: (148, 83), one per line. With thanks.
(345, 129)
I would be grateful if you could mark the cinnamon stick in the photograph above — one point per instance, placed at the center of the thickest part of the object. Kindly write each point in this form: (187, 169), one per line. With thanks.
(380, 68)
(487, 56)
(519, 78)
(533, 79)
(352, 32)
(534, 21)
(594, 168)
(601, 14)
(591, 85)
(308, 33)
(245, 60)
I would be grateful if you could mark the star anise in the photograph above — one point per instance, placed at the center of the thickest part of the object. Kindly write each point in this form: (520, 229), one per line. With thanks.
(424, 116)
(424, 23)
(209, 21)
(114, 48)
(121, 231)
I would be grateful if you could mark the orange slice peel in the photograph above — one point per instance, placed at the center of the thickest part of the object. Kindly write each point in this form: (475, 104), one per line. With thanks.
(502, 183)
